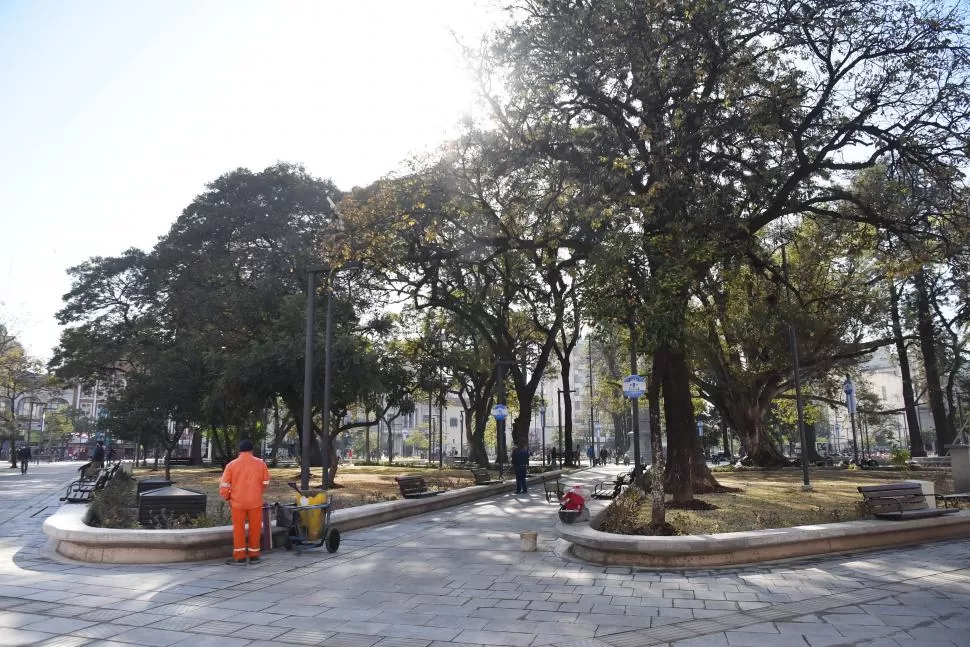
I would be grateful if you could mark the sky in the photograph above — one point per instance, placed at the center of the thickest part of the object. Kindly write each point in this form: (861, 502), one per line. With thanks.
(115, 114)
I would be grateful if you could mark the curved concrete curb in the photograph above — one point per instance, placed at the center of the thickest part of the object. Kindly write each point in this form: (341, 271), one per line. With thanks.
(76, 540)
(734, 548)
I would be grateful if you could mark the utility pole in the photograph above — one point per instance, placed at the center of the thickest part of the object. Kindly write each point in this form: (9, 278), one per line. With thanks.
(592, 437)
(849, 389)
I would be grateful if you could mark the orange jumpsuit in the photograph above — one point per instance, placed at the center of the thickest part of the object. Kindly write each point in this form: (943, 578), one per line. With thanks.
(243, 484)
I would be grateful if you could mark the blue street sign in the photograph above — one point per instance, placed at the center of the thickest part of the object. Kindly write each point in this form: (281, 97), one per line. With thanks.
(634, 386)
(849, 389)
(500, 412)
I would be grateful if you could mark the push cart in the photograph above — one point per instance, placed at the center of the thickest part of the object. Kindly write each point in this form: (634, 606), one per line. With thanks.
(308, 521)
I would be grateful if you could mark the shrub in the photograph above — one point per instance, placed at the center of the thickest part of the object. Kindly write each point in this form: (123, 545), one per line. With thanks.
(212, 518)
(625, 515)
(114, 505)
(899, 457)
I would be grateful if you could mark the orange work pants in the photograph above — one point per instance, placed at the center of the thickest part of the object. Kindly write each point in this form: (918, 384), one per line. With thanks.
(239, 518)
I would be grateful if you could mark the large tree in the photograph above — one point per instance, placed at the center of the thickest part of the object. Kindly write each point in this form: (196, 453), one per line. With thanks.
(830, 292)
(712, 120)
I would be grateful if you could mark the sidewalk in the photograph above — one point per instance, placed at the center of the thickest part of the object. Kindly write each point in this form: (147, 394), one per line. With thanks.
(457, 578)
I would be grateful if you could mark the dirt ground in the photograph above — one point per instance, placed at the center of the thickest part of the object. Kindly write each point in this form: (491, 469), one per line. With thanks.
(767, 499)
(355, 486)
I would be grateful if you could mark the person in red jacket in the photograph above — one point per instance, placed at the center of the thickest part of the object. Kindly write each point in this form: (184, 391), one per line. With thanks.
(243, 484)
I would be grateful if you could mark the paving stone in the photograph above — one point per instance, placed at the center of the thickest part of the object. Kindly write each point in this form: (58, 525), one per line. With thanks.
(304, 637)
(453, 584)
(152, 637)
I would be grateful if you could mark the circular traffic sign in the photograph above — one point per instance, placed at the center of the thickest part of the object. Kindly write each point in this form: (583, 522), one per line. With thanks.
(634, 386)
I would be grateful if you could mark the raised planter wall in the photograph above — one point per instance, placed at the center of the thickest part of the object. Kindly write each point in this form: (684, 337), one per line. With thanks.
(76, 540)
(737, 548)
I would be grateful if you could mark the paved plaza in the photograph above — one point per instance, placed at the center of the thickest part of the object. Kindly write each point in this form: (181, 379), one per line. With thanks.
(457, 578)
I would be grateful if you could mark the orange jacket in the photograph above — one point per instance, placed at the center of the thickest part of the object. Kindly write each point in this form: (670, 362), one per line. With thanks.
(244, 482)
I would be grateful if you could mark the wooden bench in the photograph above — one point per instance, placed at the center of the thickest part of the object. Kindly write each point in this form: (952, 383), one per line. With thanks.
(553, 489)
(899, 501)
(414, 487)
(180, 462)
(482, 476)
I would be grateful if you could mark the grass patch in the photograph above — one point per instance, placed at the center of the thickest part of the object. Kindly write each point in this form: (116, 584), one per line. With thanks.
(766, 499)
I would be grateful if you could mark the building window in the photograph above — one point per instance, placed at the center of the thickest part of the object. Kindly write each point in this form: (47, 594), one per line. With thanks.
(452, 422)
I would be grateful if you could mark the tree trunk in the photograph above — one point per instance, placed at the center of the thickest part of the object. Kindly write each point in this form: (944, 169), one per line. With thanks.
(725, 441)
(619, 435)
(748, 420)
(687, 470)
(927, 339)
(567, 418)
(916, 446)
(477, 452)
(196, 452)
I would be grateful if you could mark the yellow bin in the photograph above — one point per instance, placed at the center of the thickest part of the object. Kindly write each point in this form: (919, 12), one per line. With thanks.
(312, 520)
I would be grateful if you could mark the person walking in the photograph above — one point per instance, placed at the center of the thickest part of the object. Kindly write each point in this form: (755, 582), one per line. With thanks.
(24, 455)
(520, 462)
(591, 455)
(97, 457)
(243, 483)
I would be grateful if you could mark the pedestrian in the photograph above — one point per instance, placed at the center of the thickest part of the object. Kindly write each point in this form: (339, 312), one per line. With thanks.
(243, 483)
(97, 457)
(24, 455)
(591, 455)
(604, 455)
(520, 461)
(554, 453)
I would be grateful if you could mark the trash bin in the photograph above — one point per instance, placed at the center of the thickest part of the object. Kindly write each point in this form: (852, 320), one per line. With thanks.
(312, 520)
(169, 504)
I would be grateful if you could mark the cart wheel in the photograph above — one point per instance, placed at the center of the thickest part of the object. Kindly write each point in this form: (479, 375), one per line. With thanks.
(332, 539)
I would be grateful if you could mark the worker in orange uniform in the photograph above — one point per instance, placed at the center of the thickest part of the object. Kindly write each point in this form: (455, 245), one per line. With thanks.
(243, 484)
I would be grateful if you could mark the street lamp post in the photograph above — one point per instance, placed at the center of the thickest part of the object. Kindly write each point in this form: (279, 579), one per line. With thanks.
(592, 437)
(838, 433)
(849, 389)
(327, 373)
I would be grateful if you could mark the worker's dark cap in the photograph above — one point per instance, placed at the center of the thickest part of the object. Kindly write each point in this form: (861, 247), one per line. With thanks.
(246, 446)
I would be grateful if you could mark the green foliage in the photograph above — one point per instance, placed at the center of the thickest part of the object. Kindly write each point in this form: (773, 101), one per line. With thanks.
(114, 506)
(625, 515)
(899, 456)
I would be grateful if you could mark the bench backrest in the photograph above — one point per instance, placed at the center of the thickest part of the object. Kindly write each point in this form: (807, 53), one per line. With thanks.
(480, 474)
(411, 484)
(894, 497)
